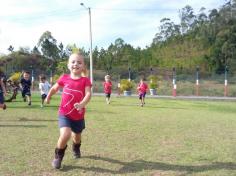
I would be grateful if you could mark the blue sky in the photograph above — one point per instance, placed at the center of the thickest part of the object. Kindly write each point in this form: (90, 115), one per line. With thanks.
(135, 21)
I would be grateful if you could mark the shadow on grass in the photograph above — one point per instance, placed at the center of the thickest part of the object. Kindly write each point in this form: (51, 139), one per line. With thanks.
(148, 106)
(33, 106)
(25, 119)
(140, 165)
(25, 126)
(35, 120)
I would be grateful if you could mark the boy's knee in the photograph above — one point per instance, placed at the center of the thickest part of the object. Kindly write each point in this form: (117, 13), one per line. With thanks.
(65, 133)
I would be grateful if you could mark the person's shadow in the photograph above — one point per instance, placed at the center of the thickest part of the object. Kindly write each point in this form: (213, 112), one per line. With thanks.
(140, 165)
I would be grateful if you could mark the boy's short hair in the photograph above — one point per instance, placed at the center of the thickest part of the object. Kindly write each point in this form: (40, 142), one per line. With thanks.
(107, 77)
(27, 72)
(42, 77)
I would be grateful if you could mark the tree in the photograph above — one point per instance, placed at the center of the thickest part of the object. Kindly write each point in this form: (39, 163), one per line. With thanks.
(35, 50)
(11, 48)
(62, 53)
(187, 18)
(48, 45)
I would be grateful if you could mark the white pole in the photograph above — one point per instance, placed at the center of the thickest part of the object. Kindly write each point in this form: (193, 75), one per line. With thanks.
(91, 47)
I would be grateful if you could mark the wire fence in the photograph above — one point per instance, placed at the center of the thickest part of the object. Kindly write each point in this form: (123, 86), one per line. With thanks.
(169, 83)
(180, 84)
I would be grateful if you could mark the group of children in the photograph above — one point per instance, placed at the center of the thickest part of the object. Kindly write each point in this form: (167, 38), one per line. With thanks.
(25, 85)
(76, 93)
(142, 90)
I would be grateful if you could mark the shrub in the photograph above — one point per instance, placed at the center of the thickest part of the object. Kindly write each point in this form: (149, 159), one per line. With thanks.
(152, 82)
(126, 85)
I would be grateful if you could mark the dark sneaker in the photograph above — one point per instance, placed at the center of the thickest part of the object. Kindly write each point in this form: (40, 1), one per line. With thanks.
(56, 163)
(4, 107)
(24, 99)
(76, 150)
(29, 103)
(59, 154)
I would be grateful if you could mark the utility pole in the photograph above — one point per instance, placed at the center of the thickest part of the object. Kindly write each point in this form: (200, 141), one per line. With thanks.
(90, 38)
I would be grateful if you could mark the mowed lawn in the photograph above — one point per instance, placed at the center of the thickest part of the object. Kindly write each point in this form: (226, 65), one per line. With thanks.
(165, 137)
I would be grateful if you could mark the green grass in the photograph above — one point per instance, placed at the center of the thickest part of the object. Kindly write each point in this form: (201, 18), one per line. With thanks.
(166, 137)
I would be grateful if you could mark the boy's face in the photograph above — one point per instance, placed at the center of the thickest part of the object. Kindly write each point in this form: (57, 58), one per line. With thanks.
(26, 76)
(76, 64)
(43, 80)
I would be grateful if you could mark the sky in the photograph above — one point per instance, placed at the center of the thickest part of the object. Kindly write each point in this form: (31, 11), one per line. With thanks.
(135, 21)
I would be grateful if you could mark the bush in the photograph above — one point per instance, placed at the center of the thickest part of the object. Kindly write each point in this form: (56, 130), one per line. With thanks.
(126, 85)
(15, 77)
(152, 82)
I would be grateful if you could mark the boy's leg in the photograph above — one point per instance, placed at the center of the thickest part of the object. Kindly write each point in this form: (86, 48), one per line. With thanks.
(76, 138)
(106, 100)
(29, 99)
(109, 98)
(140, 98)
(77, 128)
(42, 100)
(43, 97)
(65, 134)
(3, 106)
(23, 96)
(144, 98)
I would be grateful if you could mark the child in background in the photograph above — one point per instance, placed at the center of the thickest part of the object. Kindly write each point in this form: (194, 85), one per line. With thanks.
(25, 84)
(142, 89)
(118, 89)
(2, 91)
(44, 87)
(107, 85)
(75, 96)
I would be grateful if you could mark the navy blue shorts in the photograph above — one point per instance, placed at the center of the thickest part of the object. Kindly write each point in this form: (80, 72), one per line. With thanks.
(76, 126)
(26, 92)
(1, 98)
(43, 96)
(108, 95)
(142, 95)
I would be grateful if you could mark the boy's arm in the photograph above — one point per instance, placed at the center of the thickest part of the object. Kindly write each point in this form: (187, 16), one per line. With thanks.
(51, 92)
(21, 85)
(40, 86)
(85, 100)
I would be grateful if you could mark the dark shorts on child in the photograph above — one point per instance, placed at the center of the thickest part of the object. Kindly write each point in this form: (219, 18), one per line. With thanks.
(43, 96)
(108, 95)
(142, 95)
(26, 92)
(1, 98)
(76, 126)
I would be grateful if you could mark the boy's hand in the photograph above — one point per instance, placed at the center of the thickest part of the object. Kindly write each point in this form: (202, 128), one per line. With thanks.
(78, 106)
(47, 100)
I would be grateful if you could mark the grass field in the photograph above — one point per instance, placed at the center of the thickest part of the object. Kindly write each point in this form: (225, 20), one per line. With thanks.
(166, 137)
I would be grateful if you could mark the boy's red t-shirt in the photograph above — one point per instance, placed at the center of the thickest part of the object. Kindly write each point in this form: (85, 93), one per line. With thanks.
(142, 88)
(73, 92)
(107, 87)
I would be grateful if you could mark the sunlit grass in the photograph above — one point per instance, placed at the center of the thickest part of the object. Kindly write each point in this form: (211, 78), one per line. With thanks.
(166, 137)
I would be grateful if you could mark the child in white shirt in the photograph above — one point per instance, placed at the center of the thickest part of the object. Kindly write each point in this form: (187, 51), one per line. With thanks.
(44, 87)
